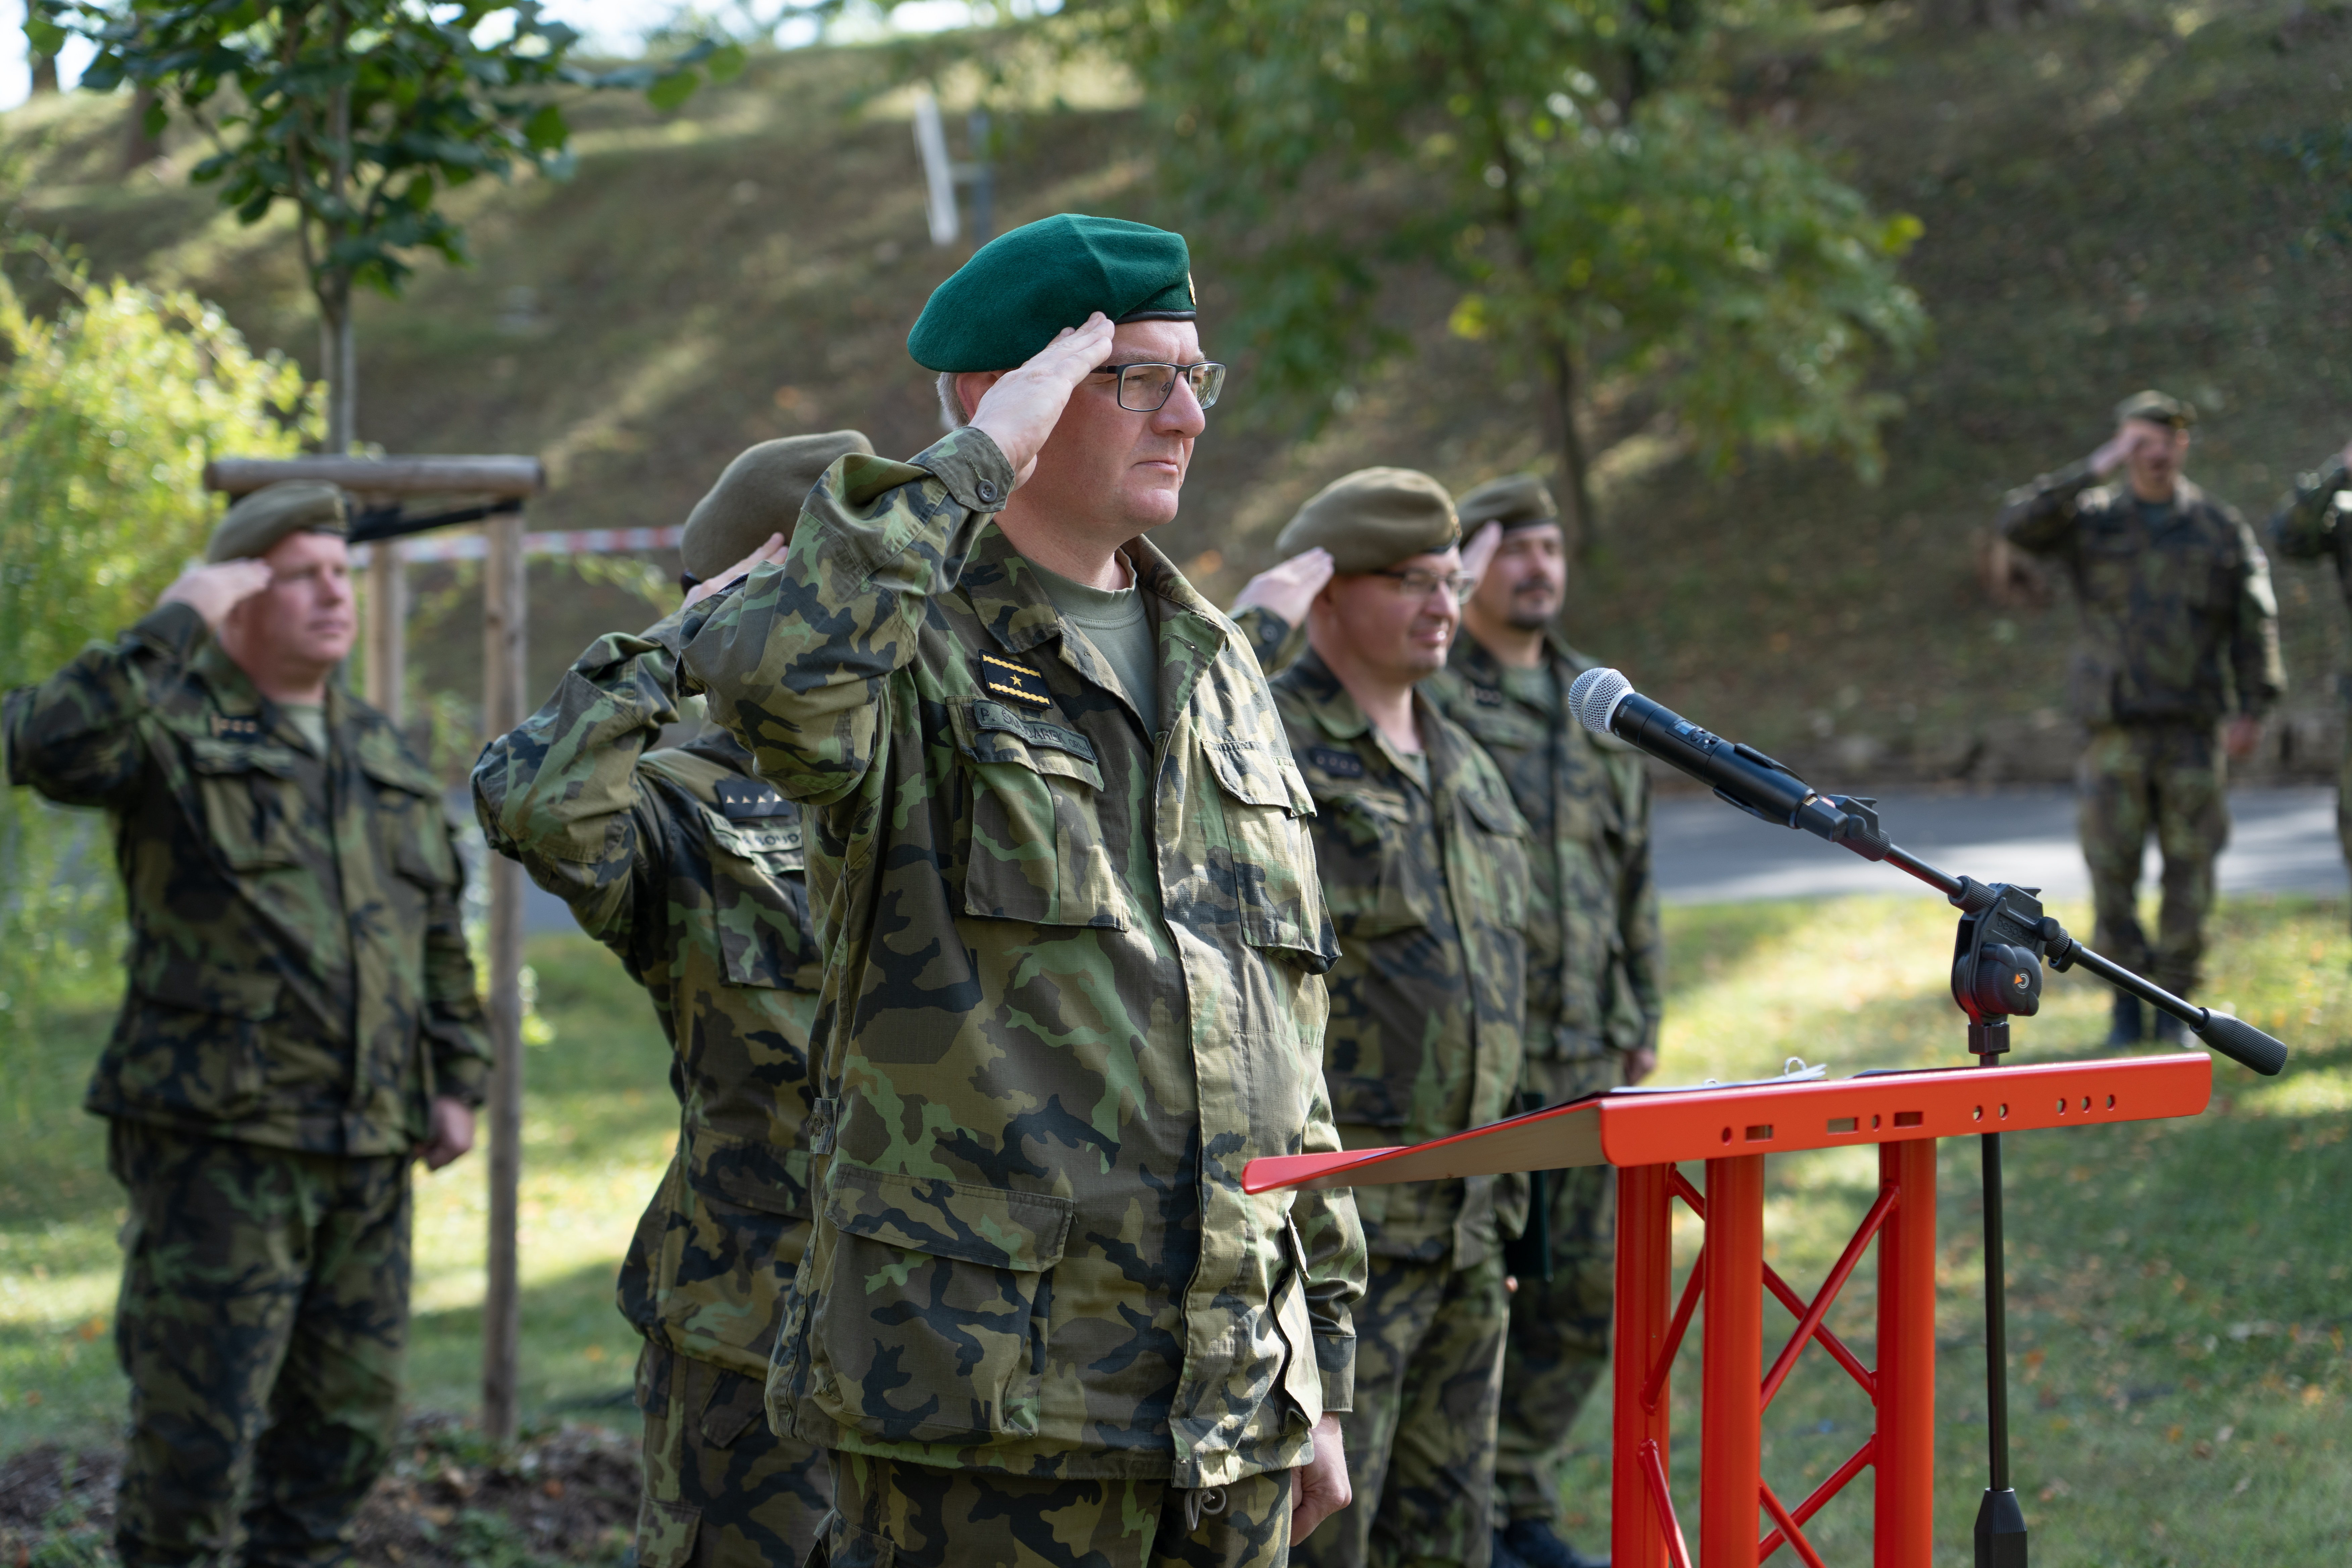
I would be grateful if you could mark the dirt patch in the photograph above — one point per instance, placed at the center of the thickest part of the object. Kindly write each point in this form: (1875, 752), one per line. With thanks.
(564, 1495)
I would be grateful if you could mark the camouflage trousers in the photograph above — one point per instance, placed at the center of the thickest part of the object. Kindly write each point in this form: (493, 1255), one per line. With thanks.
(888, 1513)
(263, 1322)
(1558, 1347)
(1421, 1440)
(720, 1490)
(2170, 780)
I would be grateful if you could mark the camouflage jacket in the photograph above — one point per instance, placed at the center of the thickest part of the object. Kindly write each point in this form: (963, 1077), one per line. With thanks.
(2179, 619)
(692, 871)
(1428, 891)
(1596, 961)
(1073, 982)
(297, 971)
(2310, 523)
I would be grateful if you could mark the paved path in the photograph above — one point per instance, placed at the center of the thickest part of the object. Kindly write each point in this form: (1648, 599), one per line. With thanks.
(2283, 840)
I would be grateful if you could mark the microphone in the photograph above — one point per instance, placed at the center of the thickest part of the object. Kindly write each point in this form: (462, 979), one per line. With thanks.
(1605, 702)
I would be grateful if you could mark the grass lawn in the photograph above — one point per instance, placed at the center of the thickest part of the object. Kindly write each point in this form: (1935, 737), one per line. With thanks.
(2176, 1289)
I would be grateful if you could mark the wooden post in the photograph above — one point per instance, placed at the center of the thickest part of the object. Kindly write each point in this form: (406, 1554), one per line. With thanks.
(504, 602)
(387, 631)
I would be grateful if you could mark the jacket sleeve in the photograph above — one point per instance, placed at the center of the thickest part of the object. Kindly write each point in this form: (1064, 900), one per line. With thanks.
(1332, 1236)
(1634, 1025)
(455, 1029)
(2040, 517)
(797, 660)
(1275, 640)
(2259, 673)
(75, 736)
(561, 793)
(2306, 525)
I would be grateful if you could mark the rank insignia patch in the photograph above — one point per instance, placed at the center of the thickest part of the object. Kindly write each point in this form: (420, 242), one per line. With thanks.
(1014, 681)
(1485, 696)
(749, 800)
(1338, 765)
(240, 728)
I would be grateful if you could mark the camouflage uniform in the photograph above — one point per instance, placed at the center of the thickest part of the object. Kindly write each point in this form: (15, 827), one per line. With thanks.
(1595, 983)
(692, 871)
(1428, 889)
(2310, 526)
(299, 995)
(2179, 628)
(1073, 982)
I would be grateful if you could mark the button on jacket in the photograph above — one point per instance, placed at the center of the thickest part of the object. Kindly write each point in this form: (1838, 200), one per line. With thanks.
(1072, 983)
(1427, 887)
(692, 871)
(1595, 954)
(2179, 620)
(298, 973)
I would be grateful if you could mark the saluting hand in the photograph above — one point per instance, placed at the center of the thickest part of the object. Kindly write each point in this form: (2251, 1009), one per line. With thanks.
(1289, 588)
(1020, 410)
(214, 590)
(1479, 554)
(2119, 448)
(771, 550)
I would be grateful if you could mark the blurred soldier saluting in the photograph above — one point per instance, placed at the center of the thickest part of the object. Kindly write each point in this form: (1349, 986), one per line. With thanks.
(2312, 525)
(1072, 951)
(1423, 862)
(2180, 632)
(1595, 977)
(693, 870)
(301, 1023)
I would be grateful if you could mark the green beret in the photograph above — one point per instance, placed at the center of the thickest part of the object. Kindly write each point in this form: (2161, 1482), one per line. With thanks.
(1372, 518)
(1516, 500)
(2157, 409)
(758, 494)
(1001, 307)
(258, 521)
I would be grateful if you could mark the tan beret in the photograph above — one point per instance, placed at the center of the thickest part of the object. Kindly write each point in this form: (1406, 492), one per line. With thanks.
(760, 494)
(258, 521)
(1516, 500)
(2157, 409)
(1372, 518)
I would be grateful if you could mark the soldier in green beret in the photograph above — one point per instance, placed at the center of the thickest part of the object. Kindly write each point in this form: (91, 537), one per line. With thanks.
(1072, 953)
(1595, 980)
(1424, 868)
(693, 869)
(2181, 638)
(2311, 524)
(300, 1024)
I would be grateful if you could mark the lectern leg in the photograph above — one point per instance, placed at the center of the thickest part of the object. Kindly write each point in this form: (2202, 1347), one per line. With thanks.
(1731, 1422)
(1645, 1244)
(1906, 1513)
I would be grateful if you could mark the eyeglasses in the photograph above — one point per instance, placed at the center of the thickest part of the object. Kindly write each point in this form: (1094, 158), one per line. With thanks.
(1420, 584)
(1145, 387)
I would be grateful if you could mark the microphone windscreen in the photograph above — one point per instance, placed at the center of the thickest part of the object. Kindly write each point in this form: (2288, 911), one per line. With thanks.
(1593, 697)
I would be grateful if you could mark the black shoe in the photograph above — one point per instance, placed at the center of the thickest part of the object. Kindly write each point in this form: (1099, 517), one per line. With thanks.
(1504, 1556)
(1535, 1543)
(2130, 1026)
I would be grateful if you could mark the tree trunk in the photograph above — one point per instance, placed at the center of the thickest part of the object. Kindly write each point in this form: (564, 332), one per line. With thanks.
(139, 148)
(44, 67)
(1575, 476)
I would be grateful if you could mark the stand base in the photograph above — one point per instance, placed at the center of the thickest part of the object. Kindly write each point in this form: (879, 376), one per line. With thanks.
(2000, 1531)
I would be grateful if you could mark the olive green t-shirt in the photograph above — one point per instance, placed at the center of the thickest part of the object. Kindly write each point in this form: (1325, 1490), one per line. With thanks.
(1116, 622)
(310, 722)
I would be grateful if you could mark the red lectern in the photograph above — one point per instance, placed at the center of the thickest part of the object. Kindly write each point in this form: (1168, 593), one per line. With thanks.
(1646, 1134)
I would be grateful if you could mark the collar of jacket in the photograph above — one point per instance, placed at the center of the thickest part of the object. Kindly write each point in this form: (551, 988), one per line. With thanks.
(1339, 715)
(234, 696)
(1474, 662)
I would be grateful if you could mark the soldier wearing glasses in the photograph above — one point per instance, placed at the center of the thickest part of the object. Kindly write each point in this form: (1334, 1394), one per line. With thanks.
(1072, 951)
(1424, 861)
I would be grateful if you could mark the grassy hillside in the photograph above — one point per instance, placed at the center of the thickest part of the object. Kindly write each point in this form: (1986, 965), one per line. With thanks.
(2107, 204)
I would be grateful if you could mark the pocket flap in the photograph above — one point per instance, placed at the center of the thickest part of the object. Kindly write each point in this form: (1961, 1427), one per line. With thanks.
(987, 1225)
(1496, 815)
(224, 994)
(989, 731)
(211, 755)
(383, 759)
(749, 1172)
(778, 843)
(1258, 775)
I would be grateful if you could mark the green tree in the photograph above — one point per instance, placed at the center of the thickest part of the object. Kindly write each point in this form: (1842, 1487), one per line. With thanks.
(1565, 163)
(360, 114)
(108, 415)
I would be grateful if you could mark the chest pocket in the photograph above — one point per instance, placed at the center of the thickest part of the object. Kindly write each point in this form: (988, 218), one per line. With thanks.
(1036, 852)
(1260, 850)
(1500, 729)
(1366, 883)
(407, 821)
(1503, 837)
(250, 800)
(759, 890)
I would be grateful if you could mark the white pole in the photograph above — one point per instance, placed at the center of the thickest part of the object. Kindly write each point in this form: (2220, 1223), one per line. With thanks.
(938, 174)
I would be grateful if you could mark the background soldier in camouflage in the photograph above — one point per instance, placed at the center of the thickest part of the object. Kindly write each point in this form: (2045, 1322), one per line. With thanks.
(1424, 864)
(1595, 975)
(1073, 951)
(2179, 628)
(2311, 525)
(301, 1024)
(692, 869)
